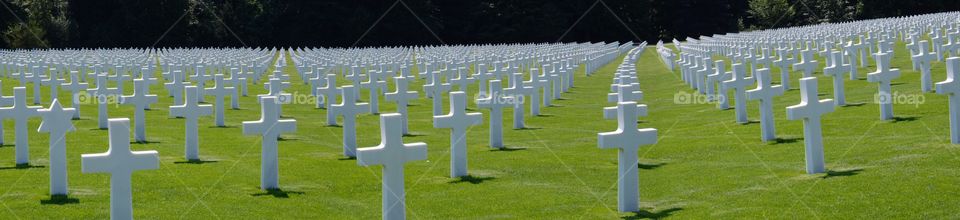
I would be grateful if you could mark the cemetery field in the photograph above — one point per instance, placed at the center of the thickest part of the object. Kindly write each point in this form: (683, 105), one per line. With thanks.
(705, 165)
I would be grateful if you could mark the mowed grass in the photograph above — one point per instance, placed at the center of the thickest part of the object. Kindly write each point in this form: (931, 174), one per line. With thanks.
(704, 166)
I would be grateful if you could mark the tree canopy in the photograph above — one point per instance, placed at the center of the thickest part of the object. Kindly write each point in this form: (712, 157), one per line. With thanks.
(345, 23)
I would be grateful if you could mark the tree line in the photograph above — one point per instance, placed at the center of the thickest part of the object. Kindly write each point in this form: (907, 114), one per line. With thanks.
(347, 23)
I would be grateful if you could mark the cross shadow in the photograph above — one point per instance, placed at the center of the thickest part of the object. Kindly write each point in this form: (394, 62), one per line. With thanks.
(278, 193)
(555, 106)
(59, 200)
(196, 161)
(22, 166)
(335, 126)
(98, 129)
(904, 118)
(507, 149)
(751, 122)
(546, 115)
(347, 158)
(644, 214)
(821, 94)
(842, 173)
(225, 126)
(527, 128)
(471, 179)
(287, 139)
(643, 166)
(897, 83)
(855, 104)
(144, 142)
(788, 140)
(414, 135)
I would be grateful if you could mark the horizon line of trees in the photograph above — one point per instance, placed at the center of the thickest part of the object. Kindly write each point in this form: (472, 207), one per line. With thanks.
(348, 23)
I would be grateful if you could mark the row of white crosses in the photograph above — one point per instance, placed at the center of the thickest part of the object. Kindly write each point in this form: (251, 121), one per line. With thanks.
(551, 78)
(627, 139)
(840, 45)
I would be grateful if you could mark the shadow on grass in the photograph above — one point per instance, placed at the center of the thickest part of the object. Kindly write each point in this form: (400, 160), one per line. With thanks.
(897, 83)
(527, 128)
(59, 200)
(644, 214)
(841, 173)
(286, 139)
(507, 149)
(22, 166)
(904, 119)
(278, 193)
(787, 140)
(347, 158)
(472, 179)
(335, 126)
(414, 135)
(643, 166)
(546, 115)
(144, 142)
(196, 161)
(225, 126)
(750, 122)
(857, 104)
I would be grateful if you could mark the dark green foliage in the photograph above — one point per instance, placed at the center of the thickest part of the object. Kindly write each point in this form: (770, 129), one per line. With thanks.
(345, 23)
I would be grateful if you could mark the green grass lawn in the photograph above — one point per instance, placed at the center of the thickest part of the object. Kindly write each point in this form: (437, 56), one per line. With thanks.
(704, 166)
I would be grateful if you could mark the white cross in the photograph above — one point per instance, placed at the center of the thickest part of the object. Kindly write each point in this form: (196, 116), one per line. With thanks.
(435, 90)
(739, 83)
(625, 93)
(807, 64)
(836, 70)
(535, 86)
(37, 79)
(191, 111)
(495, 100)
(765, 93)
(376, 86)
(392, 153)
(328, 92)
(517, 92)
(627, 139)
(458, 120)
(951, 88)
(269, 127)
(75, 87)
(922, 60)
(175, 87)
(20, 112)
(120, 78)
(462, 80)
(54, 82)
(275, 86)
(140, 99)
(120, 163)
(56, 121)
(219, 91)
(402, 96)
(239, 83)
(349, 108)
(201, 77)
(809, 110)
(882, 77)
